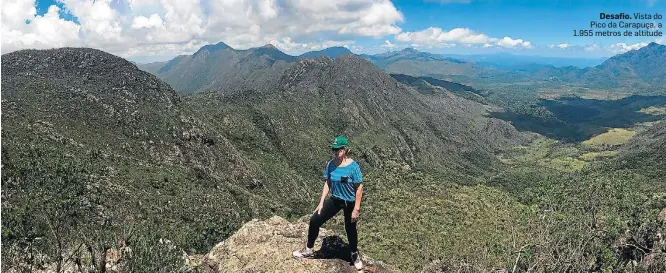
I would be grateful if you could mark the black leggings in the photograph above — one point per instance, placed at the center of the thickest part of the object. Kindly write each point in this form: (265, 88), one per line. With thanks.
(331, 207)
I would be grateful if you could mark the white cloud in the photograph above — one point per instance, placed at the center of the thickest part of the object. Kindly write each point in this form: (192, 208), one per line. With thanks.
(563, 46)
(330, 43)
(100, 23)
(507, 42)
(144, 22)
(381, 13)
(373, 31)
(551, 46)
(622, 47)
(15, 12)
(290, 47)
(22, 28)
(357, 49)
(592, 48)
(436, 37)
(388, 44)
(137, 27)
(286, 44)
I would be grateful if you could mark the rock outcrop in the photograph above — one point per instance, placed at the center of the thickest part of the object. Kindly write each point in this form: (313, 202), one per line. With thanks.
(266, 246)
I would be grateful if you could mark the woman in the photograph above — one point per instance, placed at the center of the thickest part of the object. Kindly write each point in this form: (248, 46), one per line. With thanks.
(342, 178)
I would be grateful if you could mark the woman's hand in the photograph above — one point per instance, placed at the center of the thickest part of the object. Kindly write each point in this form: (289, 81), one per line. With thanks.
(318, 209)
(355, 215)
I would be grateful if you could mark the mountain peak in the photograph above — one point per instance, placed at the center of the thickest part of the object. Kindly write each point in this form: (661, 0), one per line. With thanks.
(272, 52)
(332, 52)
(410, 50)
(212, 48)
(337, 47)
(653, 44)
(655, 48)
(266, 246)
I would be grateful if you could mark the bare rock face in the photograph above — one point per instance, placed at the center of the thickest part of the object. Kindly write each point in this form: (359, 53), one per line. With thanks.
(266, 246)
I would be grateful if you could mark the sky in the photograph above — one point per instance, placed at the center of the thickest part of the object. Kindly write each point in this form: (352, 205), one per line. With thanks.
(158, 30)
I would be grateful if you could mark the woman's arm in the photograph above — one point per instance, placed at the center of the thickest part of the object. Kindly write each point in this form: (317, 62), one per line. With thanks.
(358, 177)
(357, 204)
(324, 193)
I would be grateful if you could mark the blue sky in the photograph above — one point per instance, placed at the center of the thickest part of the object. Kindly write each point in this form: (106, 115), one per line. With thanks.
(156, 30)
(542, 23)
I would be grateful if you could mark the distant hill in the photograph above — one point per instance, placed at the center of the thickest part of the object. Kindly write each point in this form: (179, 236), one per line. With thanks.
(517, 62)
(637, 71)
(332, 52)
(412, 62)
(220, 67)
(642, 68)
(151, 68)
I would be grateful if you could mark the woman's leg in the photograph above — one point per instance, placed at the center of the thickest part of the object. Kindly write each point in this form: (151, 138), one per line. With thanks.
(350, 227)
(329, 210)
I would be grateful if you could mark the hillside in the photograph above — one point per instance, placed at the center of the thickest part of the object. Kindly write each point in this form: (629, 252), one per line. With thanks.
(92, 145)
(389, 121)
(429, 85)
(332, 52)
(646, 152)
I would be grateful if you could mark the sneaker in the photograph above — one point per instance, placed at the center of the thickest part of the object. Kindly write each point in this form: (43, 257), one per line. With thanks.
(357, 260)
(303, 253)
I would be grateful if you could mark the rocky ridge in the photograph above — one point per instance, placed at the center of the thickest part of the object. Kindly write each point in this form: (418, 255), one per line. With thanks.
(266, 246)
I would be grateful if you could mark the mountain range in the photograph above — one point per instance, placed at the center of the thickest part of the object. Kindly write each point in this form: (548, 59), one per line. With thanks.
(220, 67)
(515, 62)
(121, 146)
(636, 71)
(98, 153)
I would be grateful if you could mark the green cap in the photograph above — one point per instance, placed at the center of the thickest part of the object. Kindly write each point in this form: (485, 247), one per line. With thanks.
(339, 142)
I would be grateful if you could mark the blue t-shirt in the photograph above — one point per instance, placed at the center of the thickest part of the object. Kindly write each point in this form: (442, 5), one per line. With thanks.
(342, 180)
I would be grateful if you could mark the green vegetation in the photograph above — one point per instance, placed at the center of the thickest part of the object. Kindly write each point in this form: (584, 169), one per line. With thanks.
(652, 110)
(597, 155)
(116, 160)
(582, 220)
(574, 119)
(136, 163)
(613, 137)
(546, 153)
